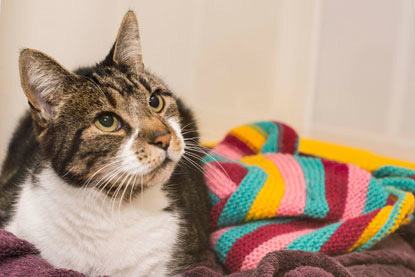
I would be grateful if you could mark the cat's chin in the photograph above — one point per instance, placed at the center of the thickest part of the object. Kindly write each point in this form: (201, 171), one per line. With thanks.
(157, 176)
(162, 173)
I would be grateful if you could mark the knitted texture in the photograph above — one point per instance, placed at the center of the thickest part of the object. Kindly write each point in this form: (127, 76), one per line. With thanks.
(266, 196)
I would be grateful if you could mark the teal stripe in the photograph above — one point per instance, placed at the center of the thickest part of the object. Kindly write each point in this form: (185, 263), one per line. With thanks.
(399, 183)
(213, 158)
(315, 240)
(271, 145)
(393, 171)
(240, 202)
(376, 196)
(316, 203)
(228, 239)
(389, 223)
(214, 199)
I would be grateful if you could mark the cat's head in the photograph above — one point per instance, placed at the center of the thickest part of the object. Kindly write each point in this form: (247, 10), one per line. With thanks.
(111, 125)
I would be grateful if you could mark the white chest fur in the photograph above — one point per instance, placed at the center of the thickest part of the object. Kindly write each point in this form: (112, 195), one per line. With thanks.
(96, 239)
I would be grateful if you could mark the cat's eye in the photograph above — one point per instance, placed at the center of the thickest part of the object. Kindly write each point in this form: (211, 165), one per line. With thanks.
(108, 123)
(156, 102)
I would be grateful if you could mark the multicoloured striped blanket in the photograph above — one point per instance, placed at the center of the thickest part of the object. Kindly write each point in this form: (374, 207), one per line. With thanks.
(266, 196)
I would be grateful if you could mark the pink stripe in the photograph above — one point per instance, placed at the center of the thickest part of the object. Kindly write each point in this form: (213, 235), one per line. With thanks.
(218, 182)
(277, 243)
(294, 199)
(358, 182)
(227, 151)
(216, 235)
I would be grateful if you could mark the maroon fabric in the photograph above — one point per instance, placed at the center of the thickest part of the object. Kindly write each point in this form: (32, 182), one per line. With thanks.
(287, 142)
(336, 188)
(19, 258)
(216, 212)
(282, 263)
(393, 256)
(235, 172)
(391, 200)
(234, 142)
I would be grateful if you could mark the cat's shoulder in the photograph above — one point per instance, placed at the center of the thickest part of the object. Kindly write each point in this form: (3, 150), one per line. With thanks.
(20, 158)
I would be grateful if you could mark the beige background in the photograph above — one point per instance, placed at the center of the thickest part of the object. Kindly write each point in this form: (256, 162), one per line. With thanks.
(337, 70)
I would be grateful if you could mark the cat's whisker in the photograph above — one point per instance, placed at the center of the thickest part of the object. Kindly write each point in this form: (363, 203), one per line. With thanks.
(199, 149)
(109, 174)
(195, 165)
(106, 176)
(102, 183)
(97, 183)
(123, 193)
(184, 127)
(116, 173)
(132, 187)
(202, 149)
(99, 170)
(193, 138)
(119, 187)
(190, 131)
(115, 182)
(188, 164)
(192, 163)
(142, 189)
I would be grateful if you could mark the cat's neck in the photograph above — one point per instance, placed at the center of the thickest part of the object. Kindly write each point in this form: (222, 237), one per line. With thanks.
(54, 216)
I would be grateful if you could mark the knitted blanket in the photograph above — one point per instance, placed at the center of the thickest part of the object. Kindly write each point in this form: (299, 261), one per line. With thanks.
(266, 196)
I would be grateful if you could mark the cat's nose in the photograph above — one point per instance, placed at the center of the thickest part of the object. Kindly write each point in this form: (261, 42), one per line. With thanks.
(161, 140)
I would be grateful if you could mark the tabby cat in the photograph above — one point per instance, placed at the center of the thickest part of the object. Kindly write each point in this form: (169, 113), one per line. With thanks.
(95, 175)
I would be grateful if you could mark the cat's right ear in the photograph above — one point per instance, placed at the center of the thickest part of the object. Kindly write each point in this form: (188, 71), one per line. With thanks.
(42, 78)
(127, 47)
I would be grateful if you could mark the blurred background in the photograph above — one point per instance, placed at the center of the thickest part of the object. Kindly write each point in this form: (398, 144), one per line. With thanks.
(337, 70)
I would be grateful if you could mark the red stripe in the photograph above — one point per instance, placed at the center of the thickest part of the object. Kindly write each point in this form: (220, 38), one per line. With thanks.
(246, 244)
(280, 139)
(391, 200)
(235, 172)
(336, 182)
(287, 139)
(347, 234)
(234, 142)
(412, 177)
(216, 212)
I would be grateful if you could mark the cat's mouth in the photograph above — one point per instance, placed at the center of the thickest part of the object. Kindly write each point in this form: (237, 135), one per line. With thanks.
(125, 186)
(160, 168)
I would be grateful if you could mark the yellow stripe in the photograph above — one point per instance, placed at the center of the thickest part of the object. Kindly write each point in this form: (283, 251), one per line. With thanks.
(252, 138)
(259, 130)
(361, 158)
(373, 227)
(269, 198)
(407, 207)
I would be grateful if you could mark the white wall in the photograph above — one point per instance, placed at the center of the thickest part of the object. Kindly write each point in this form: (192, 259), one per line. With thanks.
(364, 88)
(335, 70)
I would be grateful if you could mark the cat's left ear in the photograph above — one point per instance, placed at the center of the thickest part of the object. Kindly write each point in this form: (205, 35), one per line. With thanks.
(127, 48)
(43, 81)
